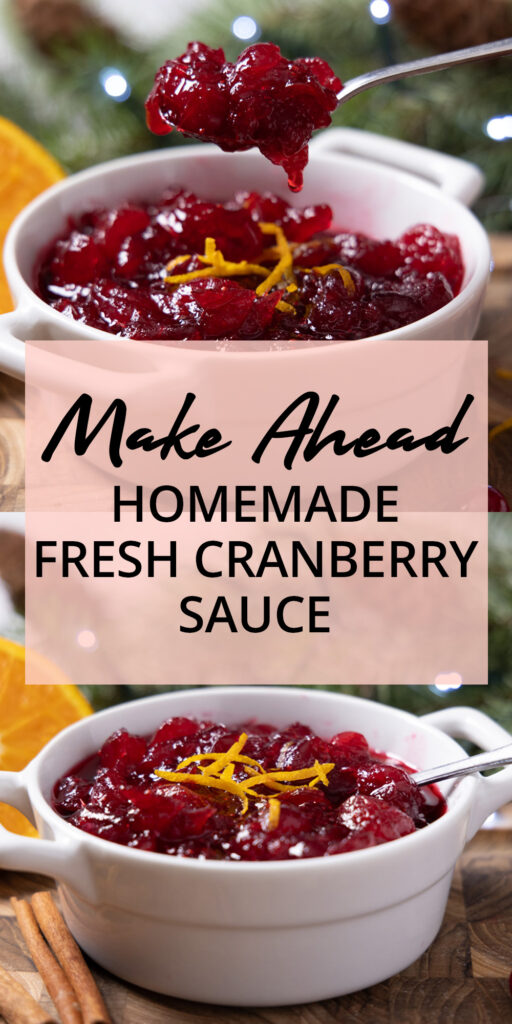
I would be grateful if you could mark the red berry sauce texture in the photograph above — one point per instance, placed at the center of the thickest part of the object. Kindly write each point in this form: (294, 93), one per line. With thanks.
(183, 268)
(260, 100)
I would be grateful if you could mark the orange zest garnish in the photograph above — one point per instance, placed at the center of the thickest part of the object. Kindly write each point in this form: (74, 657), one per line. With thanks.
(224, 760)
(31, 715)
(220, 760)
(217, 266)
(284, 266)
(220, 767)
(322, 770)
(269, 255)
(176, 262)
(27, 169)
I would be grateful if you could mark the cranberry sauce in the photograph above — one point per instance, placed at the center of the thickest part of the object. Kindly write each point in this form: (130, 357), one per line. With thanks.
(276, 794)
(496, 501)
(260, 100)
(184, 268)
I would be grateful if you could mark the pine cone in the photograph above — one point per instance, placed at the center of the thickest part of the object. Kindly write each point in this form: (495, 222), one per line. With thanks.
(48, 21)
(454, 24)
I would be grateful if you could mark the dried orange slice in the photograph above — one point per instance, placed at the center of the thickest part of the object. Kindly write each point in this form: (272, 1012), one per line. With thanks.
(30, 716)
(27, 169)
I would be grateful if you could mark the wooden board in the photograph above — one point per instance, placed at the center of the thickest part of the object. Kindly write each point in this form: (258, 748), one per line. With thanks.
(461, 979)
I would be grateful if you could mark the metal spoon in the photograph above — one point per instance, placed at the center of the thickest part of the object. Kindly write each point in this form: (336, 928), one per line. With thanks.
(468, 766)
(419, 67)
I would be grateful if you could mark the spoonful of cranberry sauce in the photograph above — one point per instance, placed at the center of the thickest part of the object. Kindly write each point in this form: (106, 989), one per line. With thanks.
(264, 100)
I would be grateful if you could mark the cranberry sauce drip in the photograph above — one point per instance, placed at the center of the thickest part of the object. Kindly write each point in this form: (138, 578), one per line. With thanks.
(497, 501)
(109, 271)
(368, 800)
(260, 100)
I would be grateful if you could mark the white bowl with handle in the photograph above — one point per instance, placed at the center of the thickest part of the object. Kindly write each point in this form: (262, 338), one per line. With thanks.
(253, 933)
(374, 184)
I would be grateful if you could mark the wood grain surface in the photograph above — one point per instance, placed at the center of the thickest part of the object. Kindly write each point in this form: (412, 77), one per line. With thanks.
(496, 326)
(461, 979)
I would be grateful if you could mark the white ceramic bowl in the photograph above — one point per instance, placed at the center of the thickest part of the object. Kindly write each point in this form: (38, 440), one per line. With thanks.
(374, 184)
(257, 933)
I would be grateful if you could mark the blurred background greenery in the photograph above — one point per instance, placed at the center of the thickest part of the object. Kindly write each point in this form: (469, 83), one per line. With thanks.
(75, 73)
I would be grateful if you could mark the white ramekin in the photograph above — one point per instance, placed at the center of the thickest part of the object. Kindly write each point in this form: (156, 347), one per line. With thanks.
(375, 184)
(269, 933)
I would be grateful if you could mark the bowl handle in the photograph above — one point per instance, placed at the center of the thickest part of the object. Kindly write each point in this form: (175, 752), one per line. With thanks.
(63, 861)
(471, 724)
(12, 349)
(457, 178)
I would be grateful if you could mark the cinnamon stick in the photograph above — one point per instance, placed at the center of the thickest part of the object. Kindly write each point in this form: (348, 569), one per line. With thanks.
(17, 1005)
(70, 958)
(57, 985)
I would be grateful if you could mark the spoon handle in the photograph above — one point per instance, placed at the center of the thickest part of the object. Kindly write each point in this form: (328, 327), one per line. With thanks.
(468, 766)
(419, 67)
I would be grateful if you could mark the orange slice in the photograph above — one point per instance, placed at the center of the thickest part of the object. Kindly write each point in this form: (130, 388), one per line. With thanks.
(27, 169)
(30, 716)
